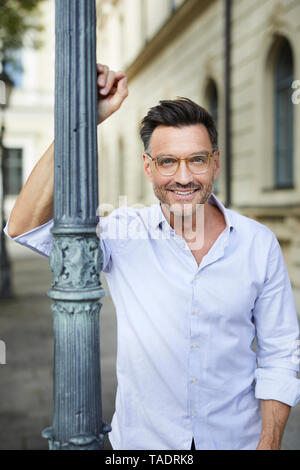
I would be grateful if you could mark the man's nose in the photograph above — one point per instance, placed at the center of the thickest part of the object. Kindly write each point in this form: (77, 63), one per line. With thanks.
(183, 174)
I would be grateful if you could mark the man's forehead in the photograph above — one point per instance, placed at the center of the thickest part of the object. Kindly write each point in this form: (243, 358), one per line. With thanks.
(187, 139)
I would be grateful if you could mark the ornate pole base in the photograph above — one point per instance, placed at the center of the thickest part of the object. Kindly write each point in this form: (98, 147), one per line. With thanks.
(76, 289)
(81, 442)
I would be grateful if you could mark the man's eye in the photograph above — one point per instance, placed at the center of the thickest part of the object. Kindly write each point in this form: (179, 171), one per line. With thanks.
(199, 159)
(167, 161)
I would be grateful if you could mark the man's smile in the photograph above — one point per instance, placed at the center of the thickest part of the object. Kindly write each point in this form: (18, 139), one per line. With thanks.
(184, 193)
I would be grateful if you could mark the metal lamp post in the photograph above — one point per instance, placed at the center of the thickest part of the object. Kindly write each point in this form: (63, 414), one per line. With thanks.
(76, 258)
(6, 86)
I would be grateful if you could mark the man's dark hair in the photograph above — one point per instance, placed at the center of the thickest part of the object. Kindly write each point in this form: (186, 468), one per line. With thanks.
(177, 113)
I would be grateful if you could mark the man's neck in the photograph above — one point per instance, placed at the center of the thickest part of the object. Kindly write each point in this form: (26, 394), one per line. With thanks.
(191, 226)
(201, 228)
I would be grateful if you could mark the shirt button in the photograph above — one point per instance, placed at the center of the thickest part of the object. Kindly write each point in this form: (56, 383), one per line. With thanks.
(196, 311)
(194, 380)
(194, 345)
(193, 413)
(186, 445)
(197, 276)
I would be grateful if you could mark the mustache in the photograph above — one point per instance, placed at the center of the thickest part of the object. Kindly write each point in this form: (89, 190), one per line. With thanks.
(186, 187)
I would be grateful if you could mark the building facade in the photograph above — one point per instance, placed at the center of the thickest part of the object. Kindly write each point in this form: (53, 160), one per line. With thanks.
(29, 119)
(177, 48)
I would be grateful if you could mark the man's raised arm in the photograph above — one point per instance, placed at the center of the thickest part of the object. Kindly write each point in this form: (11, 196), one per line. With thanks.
(34, 206)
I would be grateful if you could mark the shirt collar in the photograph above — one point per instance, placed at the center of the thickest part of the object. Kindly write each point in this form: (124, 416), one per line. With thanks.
(159, 219)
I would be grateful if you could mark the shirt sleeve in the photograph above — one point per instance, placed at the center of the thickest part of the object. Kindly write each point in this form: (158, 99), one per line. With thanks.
(40, 240)
(277, 332)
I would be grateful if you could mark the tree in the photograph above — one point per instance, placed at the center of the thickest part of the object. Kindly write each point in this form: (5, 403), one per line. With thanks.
(18, 20)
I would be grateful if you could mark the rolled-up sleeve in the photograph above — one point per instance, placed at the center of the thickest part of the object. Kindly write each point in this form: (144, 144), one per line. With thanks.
(277, 332)
(40, 240)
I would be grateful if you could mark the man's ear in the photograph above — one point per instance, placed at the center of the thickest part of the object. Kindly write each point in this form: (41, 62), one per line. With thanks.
(147, 167)
(217, 163)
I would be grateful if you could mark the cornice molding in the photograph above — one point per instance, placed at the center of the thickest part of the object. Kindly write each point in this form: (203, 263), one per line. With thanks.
(269, 211)
(178, 22)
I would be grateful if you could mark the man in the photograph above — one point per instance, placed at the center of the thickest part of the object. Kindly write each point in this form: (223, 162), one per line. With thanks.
(193, 284)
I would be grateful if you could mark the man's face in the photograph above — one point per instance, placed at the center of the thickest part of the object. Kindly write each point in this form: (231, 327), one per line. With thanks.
(181, 142)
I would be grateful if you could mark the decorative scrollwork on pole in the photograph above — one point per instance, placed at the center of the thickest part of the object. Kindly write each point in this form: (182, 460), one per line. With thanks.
(75, 262)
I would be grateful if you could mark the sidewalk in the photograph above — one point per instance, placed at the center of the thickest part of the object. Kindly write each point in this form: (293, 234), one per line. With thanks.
(26, 379)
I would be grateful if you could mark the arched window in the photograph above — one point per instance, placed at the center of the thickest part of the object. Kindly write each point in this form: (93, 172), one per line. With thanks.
(212, 95)
(284, 116)
(213, 108)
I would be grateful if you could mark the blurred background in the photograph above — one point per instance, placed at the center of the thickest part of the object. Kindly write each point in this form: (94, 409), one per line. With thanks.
(237, 58)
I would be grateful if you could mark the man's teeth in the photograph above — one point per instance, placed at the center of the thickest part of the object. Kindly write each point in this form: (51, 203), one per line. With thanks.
(184, 193)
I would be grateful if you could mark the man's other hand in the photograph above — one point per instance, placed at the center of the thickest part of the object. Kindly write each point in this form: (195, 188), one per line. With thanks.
(112, 91)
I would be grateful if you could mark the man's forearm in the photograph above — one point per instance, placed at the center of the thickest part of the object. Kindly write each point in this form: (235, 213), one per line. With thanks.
(34, 205)
(274, 418)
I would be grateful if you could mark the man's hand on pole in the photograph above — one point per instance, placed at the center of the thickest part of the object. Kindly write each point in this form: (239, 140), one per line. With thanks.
(112, 91)
(34, 206)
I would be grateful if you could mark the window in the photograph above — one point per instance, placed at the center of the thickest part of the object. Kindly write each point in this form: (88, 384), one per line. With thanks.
(284, 116)
(173, 6)
(14, 68)
(212, 94)
(13, 171)
(213, 108)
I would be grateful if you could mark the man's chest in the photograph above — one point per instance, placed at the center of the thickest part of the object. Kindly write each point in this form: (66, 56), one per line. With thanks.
(167, 276)
(202, 246)
(167, 303)
(199, 253)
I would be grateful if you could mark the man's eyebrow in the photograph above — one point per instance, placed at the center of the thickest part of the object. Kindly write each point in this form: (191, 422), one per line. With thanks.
(200, 152)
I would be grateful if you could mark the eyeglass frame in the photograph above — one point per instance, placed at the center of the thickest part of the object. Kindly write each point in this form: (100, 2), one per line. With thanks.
(154, 159)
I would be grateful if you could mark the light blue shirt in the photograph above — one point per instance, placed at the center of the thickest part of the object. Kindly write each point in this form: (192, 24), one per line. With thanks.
(186, 366)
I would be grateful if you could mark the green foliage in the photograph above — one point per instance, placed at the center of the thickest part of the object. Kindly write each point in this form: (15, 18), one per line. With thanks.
(18, 20)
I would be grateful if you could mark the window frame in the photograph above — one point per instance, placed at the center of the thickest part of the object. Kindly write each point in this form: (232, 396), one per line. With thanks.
(286, 116)
(7, 169)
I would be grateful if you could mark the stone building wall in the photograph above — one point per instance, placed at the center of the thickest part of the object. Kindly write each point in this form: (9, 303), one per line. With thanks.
(179, 55)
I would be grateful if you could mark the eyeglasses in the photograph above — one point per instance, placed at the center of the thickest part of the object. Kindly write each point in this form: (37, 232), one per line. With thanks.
(168, 166)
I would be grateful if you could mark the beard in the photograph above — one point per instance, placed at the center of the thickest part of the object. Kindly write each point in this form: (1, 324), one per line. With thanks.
(184, 208)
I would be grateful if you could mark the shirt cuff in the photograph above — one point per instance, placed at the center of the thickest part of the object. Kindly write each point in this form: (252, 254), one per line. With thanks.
(39, 239)
(277, 384)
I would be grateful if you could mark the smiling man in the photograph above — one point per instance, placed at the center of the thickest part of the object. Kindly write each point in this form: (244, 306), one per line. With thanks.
(184, 140)
(193, 284)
